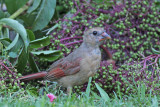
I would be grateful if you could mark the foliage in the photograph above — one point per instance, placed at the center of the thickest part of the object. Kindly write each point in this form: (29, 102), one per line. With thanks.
(20, 44)
(9, 77)
(22, 47)
(126, 78)
(138, 25)
(37, 16)
(25, 99)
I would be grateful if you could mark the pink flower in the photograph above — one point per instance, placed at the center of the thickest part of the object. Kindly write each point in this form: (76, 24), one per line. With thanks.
(51, 97)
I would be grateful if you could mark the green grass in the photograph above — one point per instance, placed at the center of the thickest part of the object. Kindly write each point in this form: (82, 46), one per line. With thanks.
(87, 99)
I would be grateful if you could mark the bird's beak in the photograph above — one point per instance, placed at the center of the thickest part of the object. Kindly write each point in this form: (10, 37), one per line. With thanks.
(104, 36)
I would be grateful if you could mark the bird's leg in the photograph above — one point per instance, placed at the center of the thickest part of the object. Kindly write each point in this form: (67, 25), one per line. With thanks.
(69, 90)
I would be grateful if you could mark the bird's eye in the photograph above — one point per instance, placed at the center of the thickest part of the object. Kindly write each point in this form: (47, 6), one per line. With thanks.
(94, 32)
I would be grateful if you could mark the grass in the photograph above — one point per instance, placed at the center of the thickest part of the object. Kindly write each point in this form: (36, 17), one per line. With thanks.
(87, 99)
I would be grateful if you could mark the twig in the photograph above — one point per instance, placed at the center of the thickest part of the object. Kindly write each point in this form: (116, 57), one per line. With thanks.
(21, 10)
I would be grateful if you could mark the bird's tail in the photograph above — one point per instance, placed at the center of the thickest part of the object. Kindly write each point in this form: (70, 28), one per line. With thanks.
(33, 76)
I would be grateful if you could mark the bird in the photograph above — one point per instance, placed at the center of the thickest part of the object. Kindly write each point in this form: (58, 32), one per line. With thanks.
(76, 68)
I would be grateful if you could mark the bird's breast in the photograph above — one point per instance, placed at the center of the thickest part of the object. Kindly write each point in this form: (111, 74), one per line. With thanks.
(91, 61)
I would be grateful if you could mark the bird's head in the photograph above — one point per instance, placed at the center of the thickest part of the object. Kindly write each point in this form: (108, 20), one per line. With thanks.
(95, 36)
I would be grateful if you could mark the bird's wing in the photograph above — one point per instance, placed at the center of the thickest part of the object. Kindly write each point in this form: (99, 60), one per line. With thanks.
(63, 68)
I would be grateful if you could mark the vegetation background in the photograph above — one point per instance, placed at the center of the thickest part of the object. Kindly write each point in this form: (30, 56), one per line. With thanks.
(35, 33)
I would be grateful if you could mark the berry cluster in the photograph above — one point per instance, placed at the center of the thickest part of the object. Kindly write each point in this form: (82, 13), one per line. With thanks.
(9, 76)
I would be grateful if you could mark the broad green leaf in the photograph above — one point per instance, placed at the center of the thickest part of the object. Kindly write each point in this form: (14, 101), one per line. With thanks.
(22, 60)
(45, 52)
(103, 94)
(19, 28)
(35, 5)
(32, 64)
(38, 43)
(28, 19)
(44, 15)
(13, 55)
(48, 55)
(88, 90)
(14, 5)
(18, 46)
(155, 51)
(30, 35)
(13, 42)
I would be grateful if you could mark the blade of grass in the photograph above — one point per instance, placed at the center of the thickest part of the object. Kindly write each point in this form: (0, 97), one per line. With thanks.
(103, 94)
(88, 90)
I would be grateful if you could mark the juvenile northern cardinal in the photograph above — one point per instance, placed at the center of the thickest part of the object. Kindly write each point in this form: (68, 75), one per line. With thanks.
(77, 67)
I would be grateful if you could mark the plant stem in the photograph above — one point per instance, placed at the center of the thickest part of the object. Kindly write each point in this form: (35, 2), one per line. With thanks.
(21, 10)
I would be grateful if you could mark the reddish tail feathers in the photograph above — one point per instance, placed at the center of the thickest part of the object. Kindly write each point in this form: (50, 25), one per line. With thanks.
(33, 76)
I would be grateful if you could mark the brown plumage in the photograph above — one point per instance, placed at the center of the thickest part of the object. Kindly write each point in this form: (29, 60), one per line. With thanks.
(77, 67)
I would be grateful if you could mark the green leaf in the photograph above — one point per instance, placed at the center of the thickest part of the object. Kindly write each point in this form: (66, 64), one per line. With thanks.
(45, 52)
(18, 46)
(143, 90)
(30, 35)
(52, 28)
(155, 102)
(119, 92)
(44, 15)
(35, 5)
(19, 28)
(88, 90)
(13, 55)
(6, 39)
(38, 43)
(155, 51)
(95, 95)
(1, 47)
(28, 19)
(4, 14)
(104, 95)
(48, 55)
(22, 60)
(32, 64)
(6, 33)
(14, 5)
(13, 42)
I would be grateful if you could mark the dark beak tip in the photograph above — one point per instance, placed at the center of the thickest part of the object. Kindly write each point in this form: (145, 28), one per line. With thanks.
(108, 37)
